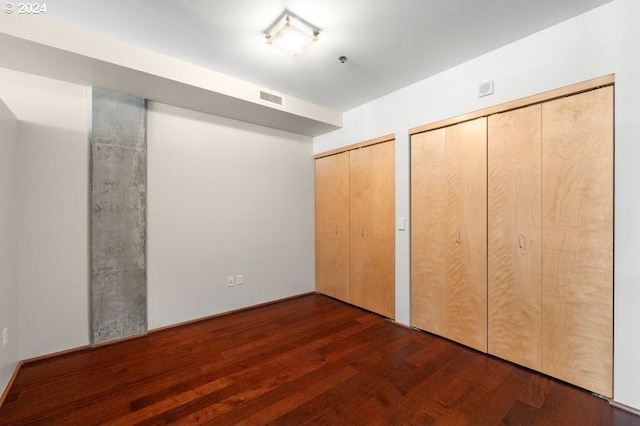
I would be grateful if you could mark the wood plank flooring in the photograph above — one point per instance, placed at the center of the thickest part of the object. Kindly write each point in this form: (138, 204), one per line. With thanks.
(308, 360)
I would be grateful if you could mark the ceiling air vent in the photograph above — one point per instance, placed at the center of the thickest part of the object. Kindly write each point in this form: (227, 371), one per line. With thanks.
(272, 99)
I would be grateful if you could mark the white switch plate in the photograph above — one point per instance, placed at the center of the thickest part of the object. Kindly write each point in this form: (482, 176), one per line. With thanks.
(239, 280)
(230, 281)
(5, 336)
(402, 224)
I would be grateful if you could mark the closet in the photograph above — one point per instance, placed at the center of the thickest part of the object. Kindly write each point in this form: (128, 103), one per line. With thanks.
(355, 225)
(549, 234)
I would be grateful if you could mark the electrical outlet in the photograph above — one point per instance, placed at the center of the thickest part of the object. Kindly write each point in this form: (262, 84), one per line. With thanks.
(5, 336)
(230, 281)
(239, 280)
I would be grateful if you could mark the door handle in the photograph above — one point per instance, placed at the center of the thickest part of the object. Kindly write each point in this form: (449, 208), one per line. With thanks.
(458, 237)
(522, 243)
(362, 231)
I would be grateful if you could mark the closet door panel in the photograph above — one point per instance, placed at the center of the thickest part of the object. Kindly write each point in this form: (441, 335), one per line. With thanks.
(360, 221)
(428, 271)
(515, 236)
(449, 245)
(466, 233)
(382, 290)
(332, 225)
(577, 202)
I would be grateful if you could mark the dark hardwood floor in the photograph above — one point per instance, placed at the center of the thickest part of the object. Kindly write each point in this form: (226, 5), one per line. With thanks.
(308, 360)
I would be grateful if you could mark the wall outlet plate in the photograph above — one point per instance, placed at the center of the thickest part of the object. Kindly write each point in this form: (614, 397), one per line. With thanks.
(5, 336)
(230, 282)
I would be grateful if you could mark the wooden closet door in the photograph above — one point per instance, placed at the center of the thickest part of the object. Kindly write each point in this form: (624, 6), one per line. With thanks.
(360, 220)
(449, 250)
(382, 289)
(515, 236)
(428, 234)
(577, 233)
(466, 227)
(332, 225)
(372, 188)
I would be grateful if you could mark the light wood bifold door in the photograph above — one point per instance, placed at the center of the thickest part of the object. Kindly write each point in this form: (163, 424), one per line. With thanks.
(372, 222)
(550, 228)
(515, 236)
(577, 235)
(332, 225)
(449, 232)
(355, 225)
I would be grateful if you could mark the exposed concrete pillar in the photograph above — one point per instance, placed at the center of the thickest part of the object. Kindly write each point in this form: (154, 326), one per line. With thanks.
(118, 284)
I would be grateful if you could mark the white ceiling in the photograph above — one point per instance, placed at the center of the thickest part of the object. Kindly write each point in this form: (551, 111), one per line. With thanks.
(390, 43)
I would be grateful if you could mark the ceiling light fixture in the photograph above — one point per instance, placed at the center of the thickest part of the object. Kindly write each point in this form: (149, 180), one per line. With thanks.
(292, 34)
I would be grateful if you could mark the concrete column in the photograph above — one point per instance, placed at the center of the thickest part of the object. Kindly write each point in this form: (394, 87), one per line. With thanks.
(118, 285)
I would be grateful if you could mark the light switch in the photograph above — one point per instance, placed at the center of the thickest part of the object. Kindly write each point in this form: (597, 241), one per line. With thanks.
(402, 223)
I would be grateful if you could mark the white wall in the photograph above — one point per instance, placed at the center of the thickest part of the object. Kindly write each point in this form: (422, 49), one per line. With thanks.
(591, 45)
(52, 211)
(225, 198)
(8, 242)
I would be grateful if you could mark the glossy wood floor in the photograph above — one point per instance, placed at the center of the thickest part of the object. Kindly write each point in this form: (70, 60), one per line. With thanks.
(309, 360)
